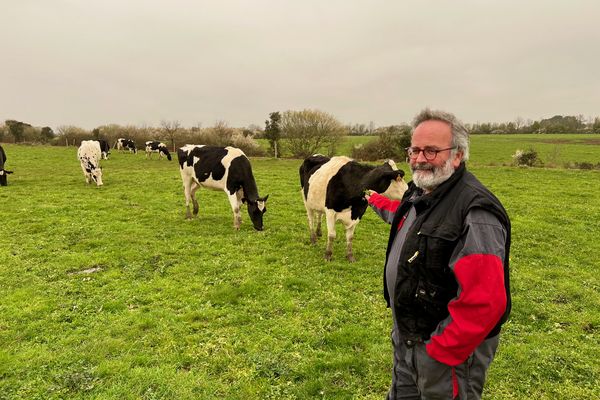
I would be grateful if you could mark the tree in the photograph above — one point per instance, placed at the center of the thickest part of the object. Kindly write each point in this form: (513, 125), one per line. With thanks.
(46, 134)
(221, 134)
(358, 130)
(308, 131)
(72, 134)
(273, 132)
(96, 133)
(16, 128)
(596, 125)
(171, 129)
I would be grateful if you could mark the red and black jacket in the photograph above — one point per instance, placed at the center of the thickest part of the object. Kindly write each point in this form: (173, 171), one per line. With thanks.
(452, 303)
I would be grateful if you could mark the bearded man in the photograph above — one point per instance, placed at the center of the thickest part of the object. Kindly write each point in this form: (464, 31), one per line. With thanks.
(446, 276)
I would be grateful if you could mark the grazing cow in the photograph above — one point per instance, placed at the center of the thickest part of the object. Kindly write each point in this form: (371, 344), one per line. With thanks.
(3, 172)
(336, 187)
(126, 144)
(157, 147)
(89, 155)
(221, 168)
(104, 148)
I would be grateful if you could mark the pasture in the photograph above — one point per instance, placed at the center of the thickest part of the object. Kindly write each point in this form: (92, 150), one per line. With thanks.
(109, 293)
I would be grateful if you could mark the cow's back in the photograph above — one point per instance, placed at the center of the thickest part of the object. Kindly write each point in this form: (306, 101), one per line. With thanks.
(89, 149)
(210, 165)
(319, 180)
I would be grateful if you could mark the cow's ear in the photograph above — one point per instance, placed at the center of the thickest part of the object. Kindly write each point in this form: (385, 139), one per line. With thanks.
(244, 200)
(264, 198)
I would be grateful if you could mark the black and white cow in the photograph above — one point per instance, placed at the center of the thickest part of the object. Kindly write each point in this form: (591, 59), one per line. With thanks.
(153, 146)
(104, 148)
(89, 155)
(127, 144)
(336, 187)
(221, 168)
(3, 172)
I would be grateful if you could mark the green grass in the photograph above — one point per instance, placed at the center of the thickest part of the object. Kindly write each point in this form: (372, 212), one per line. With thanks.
(194, 310)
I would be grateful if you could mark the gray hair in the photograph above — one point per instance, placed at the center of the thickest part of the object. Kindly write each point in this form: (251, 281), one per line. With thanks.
(460, 135)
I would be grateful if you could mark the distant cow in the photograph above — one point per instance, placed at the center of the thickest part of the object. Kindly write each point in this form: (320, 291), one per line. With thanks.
(89, 155)
(3, 172)
(127, 144)
(157, 147)
(336, 187)
(221, 168)
(104, 148)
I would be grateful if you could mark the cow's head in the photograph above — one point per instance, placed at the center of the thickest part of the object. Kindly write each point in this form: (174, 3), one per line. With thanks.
(97, 176)
(387, 180)
(165, 151)
(95, 173)
(256, 209)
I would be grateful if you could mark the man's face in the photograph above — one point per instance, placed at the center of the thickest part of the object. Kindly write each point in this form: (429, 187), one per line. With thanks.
(436, 135)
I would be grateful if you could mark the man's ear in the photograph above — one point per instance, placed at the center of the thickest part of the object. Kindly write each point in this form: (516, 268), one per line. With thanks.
(458, 158)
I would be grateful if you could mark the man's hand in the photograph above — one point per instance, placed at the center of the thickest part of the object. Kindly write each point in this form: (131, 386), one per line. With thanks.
(368, 194)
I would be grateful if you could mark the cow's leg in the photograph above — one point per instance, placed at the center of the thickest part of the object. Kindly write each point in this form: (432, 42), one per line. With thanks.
(330, 218)
(319, 218)
(349, 237)
(195, 187)
(310, 214)
(187, 191)
(311, 225)
(235, 201)
(85, 174)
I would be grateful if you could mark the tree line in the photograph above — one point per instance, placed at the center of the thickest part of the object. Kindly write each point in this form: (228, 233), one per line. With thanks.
(301, 132)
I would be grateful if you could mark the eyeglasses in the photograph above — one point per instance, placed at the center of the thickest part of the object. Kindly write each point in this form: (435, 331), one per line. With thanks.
(429, 153)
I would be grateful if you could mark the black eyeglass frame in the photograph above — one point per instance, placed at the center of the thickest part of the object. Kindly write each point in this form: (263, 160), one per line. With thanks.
(428, 153)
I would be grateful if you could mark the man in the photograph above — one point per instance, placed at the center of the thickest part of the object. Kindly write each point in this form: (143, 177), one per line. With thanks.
(446, 272)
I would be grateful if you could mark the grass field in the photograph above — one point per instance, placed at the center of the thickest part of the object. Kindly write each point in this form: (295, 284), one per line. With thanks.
(110, 293)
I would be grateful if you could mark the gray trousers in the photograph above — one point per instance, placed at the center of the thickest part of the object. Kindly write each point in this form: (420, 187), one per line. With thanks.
(417, 376)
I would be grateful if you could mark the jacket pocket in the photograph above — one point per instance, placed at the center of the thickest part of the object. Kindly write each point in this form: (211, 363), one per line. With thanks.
(433, 299)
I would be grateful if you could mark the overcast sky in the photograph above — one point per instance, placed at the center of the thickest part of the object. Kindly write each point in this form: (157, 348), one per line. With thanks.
(93, 62)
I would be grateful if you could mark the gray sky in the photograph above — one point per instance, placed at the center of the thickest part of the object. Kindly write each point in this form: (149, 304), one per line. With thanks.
(94, 62)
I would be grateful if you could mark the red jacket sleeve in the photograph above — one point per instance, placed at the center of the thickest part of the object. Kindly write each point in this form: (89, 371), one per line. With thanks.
(383, 206)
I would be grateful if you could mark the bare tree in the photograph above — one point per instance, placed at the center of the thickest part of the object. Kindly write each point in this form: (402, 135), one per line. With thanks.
(171, 129)
(309, 131)
(72, 134)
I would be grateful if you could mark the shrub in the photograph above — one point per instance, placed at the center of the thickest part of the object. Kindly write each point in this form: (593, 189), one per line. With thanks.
(528, 158)
(390, 144)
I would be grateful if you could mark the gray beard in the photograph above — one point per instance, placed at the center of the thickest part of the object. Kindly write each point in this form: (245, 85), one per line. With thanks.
(428, 178)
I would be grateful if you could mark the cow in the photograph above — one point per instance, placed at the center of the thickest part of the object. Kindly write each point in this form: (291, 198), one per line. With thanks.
(221, 168)
(153, 146)
(128, 144)
(336, 187)
(104, 148)
(3, 172)
(89, 155)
